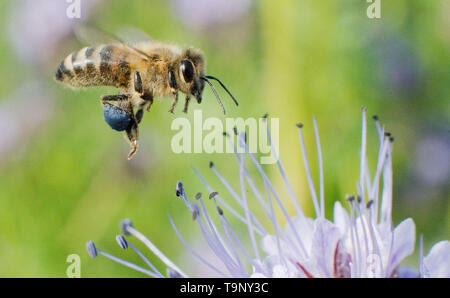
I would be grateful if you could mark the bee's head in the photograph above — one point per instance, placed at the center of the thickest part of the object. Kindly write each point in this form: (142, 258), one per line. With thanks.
(190, 70)
(190, 76)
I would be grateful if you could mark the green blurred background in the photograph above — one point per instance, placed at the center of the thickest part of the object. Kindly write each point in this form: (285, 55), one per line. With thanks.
(64, 176)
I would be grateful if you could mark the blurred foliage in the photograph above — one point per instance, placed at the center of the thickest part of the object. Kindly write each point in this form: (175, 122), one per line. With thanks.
(71, 182)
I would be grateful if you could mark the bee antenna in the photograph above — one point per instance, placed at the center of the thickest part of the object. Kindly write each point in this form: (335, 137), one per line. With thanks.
(223, 86)
(215, 93)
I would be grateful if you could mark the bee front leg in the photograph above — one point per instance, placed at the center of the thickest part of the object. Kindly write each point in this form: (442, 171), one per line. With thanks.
(186, 104)
(175, 100)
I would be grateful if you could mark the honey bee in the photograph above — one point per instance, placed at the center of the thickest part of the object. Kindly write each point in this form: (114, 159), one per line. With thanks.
(142, 72)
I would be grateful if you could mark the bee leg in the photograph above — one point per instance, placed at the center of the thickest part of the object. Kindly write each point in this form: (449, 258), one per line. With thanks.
(137, 82)
(117, 97)
(186, 104)
(175, 100)
(118, 116)
(132, 135)
(139, 115)
(148, 97)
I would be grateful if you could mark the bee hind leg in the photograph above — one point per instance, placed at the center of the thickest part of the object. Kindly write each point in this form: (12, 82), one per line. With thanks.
(139, 115)
(122, 118)
(117, 97)
(132, 134)
(117, 116)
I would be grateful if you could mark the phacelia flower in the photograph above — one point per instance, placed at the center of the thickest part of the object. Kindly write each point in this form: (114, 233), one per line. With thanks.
(361, 242)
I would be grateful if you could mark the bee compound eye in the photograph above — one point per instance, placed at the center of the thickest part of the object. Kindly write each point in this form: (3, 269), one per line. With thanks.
(116, 118)
(187, 70)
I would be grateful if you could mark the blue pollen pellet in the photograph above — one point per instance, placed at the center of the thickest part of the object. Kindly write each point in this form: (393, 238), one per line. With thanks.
(116, 118)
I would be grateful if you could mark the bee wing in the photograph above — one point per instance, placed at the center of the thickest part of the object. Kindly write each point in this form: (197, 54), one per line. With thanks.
(93, 36)
(132, 35)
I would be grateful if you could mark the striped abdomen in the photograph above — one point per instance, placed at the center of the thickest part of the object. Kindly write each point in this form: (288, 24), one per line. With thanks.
(104, 65)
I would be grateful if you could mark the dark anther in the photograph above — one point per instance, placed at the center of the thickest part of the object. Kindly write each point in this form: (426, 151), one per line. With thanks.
(195, 212)
(350, 198)
(122, 242)
(92, 250)
(124, 225)
(179, 190)
(173, 274)
(213, 194)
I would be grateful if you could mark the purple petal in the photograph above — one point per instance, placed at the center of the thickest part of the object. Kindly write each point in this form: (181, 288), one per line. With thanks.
(342, 262)
(437, 262)
(325, 238)
(403, 244)
(341, 218)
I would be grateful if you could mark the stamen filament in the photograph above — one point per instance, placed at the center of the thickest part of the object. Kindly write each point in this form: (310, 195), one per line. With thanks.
(155, 250)
(291, 193)
(145, 259)
(236, 196)
(213, 228)
(193, 251)
(127, 264)
(272, 190)
(227, 225)
(259, 228)
(246, 209)
(319, 157)
(312, 189)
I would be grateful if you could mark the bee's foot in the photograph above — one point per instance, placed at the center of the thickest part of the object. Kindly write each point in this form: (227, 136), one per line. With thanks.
(133, 150)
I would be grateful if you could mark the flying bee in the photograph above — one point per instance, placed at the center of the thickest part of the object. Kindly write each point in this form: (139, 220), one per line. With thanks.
(141, 72)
